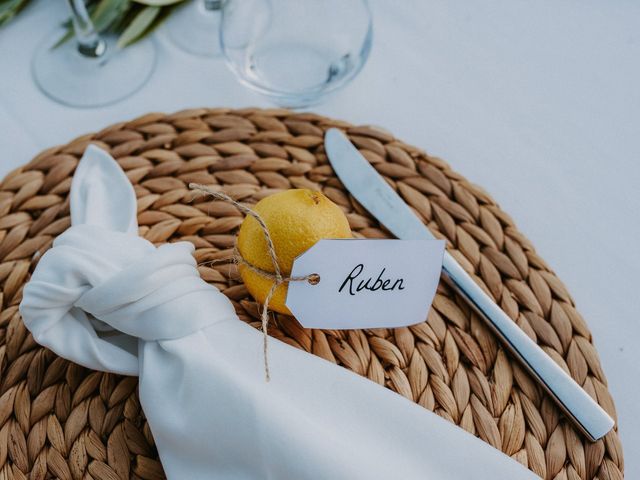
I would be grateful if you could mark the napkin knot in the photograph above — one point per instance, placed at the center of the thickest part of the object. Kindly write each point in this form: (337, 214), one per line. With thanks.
(103, 283)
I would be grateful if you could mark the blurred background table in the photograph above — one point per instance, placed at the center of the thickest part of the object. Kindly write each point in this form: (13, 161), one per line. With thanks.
(538, 102)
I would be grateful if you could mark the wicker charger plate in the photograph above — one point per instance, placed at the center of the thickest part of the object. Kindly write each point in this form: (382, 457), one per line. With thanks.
(58, 419)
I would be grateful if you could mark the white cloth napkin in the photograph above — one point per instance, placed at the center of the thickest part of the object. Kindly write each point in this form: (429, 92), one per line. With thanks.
(109, 300)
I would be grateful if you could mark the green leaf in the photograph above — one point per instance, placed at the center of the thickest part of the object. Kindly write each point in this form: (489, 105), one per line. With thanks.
(125, 18)
(164, 14)
(68, 35)
(107, 12)
(138, 27)
(10, 8)
(158, 3)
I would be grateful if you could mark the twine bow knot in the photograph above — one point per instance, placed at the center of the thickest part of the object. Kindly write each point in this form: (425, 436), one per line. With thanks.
(277, 276)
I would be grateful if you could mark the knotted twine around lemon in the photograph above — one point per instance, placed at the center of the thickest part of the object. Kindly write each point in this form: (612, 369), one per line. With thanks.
(296, 220)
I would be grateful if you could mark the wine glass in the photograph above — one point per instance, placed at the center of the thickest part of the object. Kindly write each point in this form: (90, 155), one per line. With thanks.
(194, 27)
(296, 51)
(90, 70)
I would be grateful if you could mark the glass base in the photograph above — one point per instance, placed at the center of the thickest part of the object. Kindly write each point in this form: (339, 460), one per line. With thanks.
(268, 69)
(70, 78)
(195, 29)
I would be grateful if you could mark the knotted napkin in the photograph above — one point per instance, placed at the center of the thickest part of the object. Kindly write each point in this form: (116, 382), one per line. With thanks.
(110, 300)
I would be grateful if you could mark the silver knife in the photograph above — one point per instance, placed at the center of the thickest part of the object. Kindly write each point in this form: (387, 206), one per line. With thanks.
(373, 192)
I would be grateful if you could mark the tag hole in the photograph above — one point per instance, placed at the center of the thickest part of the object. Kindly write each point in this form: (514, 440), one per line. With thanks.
(314, 279)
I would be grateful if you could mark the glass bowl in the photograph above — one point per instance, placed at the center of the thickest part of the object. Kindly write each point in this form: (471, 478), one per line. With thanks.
(296, 52)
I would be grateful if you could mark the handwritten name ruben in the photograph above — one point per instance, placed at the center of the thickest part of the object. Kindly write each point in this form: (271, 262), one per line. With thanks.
(356, 282)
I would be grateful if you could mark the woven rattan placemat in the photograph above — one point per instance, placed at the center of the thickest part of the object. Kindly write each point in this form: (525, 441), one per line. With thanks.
(61, 420)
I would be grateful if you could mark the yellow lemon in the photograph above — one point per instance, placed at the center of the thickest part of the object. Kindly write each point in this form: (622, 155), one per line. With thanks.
(296, 220)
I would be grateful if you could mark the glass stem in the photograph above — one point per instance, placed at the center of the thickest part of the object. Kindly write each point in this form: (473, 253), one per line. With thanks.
(89, 42)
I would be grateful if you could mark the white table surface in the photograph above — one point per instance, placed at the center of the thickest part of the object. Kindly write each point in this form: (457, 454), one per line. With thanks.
(538, 102)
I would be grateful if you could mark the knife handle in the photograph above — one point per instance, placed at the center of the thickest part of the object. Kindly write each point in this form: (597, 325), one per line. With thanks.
(576, 403)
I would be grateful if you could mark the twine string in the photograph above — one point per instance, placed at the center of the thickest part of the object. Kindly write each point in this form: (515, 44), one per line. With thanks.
(276, 275)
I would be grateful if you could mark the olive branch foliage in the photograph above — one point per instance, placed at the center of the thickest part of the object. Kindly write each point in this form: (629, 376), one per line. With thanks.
(131, 20)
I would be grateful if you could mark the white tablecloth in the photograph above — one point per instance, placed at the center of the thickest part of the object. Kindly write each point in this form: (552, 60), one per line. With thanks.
(538, 102)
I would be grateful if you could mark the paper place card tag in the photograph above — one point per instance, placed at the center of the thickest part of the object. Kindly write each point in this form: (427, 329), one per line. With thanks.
(366, 283)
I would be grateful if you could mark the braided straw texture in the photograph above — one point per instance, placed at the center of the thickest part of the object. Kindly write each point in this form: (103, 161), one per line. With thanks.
(59, 420)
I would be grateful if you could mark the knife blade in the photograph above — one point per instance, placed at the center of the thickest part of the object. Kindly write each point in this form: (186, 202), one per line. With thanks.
(381, 200)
